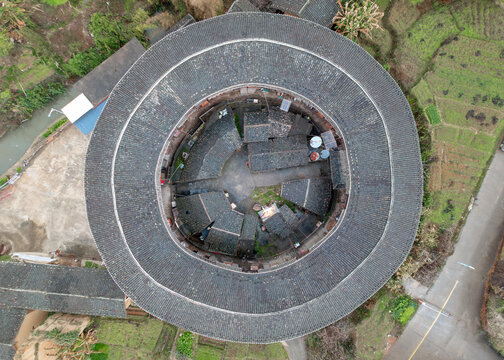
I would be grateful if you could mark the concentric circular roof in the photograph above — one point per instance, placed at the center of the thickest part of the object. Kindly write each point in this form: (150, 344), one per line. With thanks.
(347, 267)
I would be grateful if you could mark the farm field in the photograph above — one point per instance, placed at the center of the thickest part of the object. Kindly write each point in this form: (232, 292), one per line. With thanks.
(464, 83)
(147, 338)
(134, 338)
(210, 349)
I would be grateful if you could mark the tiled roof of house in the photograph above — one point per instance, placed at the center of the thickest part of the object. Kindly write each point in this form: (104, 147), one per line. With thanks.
(60, 288)
(284, 53)
(208, 155)
(10, 322)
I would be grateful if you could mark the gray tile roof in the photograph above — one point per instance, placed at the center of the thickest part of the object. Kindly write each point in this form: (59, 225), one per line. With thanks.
(249, 227)
(318, 11)
(289, 216)
(261, 125)
(242, 6)
(256, 126)
(208, 155)
(10, 322)
(356, 95)
(339, 168)
(278, 153)
(301, 126)
(276, 225)
(280, 122)
(310, 194)
(230, 222)
(222, 242)
(182, 23)
(192, 214)
(7, 352)
(198, 211)
(216, 204)
(98, 84)
(60, 288)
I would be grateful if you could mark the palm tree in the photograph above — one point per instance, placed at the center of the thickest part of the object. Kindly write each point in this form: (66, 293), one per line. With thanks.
(354, 19)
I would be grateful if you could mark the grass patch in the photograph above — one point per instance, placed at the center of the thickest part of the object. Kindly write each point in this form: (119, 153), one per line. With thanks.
(139, 338)
(432, 115)
(266, 352)
(5, 257)
(423, 94)
(267, 195)
(371, 333)
(91, 265)
(3, 180)
(448, 206)
(36, 74)
(427, 34)
(207, 352)
(54, 127)
(469, 116)
(238, 126)
(235, 351)
(482, 19)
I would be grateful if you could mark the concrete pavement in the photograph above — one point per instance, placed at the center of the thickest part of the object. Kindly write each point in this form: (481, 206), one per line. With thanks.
(457, 334)
(296, 348)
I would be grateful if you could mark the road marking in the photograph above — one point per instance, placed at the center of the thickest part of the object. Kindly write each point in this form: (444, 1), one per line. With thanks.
(433, 308)
(467, 266)
(435, 320)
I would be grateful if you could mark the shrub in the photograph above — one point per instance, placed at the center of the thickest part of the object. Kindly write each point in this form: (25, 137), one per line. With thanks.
(19, 169)
(82, 63)
(184, 343)
(3, 180)
(54, 2)
(63, 339)
(39, 96)
(403, 309)
(108, 33)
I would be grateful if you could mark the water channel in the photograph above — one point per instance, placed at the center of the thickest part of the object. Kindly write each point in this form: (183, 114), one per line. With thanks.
(16, 141)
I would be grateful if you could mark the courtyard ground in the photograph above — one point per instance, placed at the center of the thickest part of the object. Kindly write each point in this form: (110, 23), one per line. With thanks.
(45, 209)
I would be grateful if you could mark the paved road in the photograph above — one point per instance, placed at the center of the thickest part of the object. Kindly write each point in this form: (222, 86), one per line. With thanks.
(296, 348)
(457, 335)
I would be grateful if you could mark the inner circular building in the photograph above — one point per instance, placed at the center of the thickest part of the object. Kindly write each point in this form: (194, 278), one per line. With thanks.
(254, 173)
(254, 178)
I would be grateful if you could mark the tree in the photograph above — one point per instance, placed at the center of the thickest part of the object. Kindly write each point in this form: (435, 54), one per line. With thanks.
(354, 19)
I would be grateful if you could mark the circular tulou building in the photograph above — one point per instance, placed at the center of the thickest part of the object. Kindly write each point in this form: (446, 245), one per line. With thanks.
(254, 178)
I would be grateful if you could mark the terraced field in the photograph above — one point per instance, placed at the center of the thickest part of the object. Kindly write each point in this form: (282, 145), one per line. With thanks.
(462, 63)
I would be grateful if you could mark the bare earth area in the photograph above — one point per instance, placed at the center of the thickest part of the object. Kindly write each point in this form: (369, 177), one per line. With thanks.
(45, 209)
